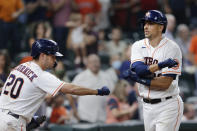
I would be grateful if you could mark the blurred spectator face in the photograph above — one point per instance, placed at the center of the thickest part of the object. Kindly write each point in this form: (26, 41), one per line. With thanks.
(189, 111)
(93, 63)
(120, 90)
(116, 62)
(116, 34)
(59, 70)
(76, 18)
(183, 31)
(101, 35)
(2, 61)
(89, 21)
(59, 100)
(171, 22)
(40, 31)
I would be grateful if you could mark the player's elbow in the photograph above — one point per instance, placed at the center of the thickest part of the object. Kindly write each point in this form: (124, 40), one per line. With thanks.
(68, 89)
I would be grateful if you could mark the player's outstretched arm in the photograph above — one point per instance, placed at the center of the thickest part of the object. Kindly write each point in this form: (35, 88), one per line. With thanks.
(78, 90)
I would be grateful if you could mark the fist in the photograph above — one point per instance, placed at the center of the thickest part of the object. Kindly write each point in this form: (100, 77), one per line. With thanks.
(103, 91)
(168, 63)
(130, 75)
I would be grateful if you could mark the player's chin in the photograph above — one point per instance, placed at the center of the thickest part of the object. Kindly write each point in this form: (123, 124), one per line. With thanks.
(146, 35)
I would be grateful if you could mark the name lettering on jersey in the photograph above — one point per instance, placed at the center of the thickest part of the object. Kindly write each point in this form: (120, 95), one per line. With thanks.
(26, 71)
(150, 61)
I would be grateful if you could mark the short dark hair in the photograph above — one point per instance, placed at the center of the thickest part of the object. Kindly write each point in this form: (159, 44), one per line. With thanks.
(36, 57)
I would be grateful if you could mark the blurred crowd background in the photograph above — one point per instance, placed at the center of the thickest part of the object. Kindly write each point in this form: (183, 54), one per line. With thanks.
(95, 37)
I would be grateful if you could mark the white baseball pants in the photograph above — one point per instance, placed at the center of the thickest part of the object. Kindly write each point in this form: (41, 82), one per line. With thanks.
(163, 116)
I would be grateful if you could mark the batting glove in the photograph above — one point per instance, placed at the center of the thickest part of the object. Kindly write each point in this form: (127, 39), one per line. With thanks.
(103, 91)
(167, 63)
(131, 75)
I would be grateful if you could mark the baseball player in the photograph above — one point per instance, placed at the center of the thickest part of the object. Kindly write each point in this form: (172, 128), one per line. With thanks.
(156, 64)
(28, 83)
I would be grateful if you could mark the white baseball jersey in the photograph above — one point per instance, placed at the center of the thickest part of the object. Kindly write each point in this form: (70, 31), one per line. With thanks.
(25, 89)
(143, 51)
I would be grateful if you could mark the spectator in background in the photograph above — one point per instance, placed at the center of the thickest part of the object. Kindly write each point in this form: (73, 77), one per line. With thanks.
(4, 65)
(60, 71)
(90, 36)
(40, 30)
(118, 110)
(102, 42)
(177, 8)
(10, 35)
(82, 38)
(59, 114)
(126, 59)
(90, 108)
(191, 11)
(76, 37)
(193, 57)
(189, 112)
(116, 46)
(103, 22)
(126, 11)
(126, 63)
(89, 7)
(113, 71)
(183, 40)
(36, 10)
(170, 26)
(61, 10)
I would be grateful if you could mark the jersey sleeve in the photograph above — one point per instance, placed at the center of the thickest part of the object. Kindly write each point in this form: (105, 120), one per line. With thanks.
(174, 53)
(136, 54)
(49, 83)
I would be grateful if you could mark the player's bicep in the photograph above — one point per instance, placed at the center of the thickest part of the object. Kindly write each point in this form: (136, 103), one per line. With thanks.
(49, 83)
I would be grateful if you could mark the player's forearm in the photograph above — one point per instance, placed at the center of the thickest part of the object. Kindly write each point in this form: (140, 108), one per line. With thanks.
(161, 83)
(77, 90)
(154, 68)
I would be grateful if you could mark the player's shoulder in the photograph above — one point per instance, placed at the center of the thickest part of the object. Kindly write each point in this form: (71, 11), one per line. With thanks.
(172, 44)
(139, 43)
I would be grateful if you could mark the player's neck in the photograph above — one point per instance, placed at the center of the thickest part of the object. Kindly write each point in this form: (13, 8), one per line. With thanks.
(40, 64)
(154, 42)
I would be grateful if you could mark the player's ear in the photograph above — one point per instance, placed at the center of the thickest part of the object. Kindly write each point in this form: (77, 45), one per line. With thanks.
(161, 27)
(42, 55)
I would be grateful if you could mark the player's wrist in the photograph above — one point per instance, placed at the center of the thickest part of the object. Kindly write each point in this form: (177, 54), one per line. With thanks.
(161, 65)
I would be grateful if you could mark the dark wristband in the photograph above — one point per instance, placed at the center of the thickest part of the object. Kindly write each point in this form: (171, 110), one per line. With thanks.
(146, 82)
(160, 65)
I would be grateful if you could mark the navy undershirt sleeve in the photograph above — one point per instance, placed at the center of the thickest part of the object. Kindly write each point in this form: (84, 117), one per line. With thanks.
(140, 68)
(170, 75)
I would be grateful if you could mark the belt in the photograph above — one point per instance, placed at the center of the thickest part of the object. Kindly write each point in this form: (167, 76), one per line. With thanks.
(155, 101)
(13, 114)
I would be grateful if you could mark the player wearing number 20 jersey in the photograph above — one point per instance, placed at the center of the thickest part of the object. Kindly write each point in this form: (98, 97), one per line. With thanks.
(28, 84)
(28, 76)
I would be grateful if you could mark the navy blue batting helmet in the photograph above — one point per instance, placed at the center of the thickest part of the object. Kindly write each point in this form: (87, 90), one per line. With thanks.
(155, 16)
(45, 46)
